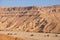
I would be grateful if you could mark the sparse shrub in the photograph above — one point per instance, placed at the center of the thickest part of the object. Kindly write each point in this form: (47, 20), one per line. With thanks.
(47, 35)
(1, 30)
(56, 35)
(54, 10)
(9, 34)
(31, 35)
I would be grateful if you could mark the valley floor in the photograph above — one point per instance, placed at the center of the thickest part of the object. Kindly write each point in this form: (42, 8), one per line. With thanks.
(32, 36)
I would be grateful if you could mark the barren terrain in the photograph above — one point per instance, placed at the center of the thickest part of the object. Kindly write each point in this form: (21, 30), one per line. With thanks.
(30, 23)
(28, 35)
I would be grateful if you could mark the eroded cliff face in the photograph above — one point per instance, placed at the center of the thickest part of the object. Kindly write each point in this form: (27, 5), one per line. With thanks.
(30, 19)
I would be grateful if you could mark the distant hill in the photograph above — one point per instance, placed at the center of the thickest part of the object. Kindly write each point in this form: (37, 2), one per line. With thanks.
(30, 19)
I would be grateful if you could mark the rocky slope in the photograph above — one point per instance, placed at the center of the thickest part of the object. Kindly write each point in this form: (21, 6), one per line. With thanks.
(30, 19)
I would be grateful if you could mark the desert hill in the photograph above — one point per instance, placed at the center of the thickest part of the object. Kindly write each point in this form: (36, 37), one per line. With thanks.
(30, 19)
